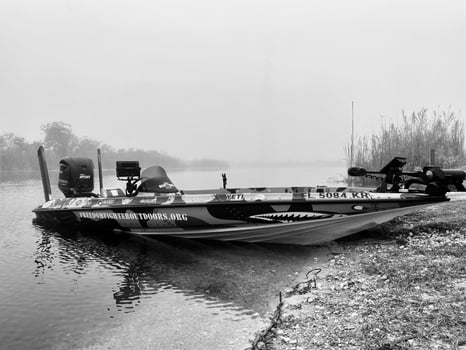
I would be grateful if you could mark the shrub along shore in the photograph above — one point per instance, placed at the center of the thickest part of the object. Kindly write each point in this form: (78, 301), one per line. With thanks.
(399, 286)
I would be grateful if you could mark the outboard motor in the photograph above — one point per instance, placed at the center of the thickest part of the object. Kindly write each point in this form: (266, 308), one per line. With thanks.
(76, 178)
(155, 179)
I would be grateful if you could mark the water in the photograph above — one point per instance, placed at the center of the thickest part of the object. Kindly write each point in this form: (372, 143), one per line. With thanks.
(72, 289)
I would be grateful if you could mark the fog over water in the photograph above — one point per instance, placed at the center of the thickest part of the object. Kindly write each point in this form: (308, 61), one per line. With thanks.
(243, 80)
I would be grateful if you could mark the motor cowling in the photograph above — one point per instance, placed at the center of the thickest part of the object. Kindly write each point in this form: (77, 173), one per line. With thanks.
(76, 177)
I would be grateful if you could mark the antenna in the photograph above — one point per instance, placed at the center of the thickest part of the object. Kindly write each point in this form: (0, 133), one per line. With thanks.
(352, 132)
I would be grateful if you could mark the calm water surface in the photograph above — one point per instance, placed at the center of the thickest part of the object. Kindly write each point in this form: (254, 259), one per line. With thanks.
(72, 289)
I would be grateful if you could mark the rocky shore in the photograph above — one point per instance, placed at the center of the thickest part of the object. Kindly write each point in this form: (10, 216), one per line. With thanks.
(400, 286)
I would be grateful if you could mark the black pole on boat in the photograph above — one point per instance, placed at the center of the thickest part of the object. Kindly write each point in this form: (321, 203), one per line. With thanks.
(224, 180)
(44, 174)
(352, 134)
(101, 181)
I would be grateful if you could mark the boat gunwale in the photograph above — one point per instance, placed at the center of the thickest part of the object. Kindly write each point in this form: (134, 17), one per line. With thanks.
(425, 199)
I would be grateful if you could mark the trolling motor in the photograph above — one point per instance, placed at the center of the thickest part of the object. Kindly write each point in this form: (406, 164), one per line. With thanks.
(436, 181)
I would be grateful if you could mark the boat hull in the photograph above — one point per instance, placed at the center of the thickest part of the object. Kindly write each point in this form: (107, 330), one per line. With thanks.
(300, 233)
(287, 218)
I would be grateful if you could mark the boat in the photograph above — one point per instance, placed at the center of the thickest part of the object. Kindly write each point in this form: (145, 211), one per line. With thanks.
(152, 205)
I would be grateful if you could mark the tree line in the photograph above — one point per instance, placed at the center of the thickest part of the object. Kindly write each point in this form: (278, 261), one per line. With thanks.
(414, 138)
(17, 154)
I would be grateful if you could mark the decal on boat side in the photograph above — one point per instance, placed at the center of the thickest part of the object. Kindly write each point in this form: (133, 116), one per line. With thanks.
(76, 203)
(293, 216)
(132, 216)
(252, 197)
(51, 204)
(358, 207)
(337, 195)
(148, 201)
(235, 196)
(106, 202)
(200, 198)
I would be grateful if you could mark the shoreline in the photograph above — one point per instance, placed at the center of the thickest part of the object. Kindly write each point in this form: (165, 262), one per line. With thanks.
(399, 286)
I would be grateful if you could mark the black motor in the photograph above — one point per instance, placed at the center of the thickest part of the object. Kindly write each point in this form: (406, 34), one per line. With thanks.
(76, 178)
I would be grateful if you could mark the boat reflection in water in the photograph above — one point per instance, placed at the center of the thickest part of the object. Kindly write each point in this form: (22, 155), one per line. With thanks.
(196, 293)
(243, 276)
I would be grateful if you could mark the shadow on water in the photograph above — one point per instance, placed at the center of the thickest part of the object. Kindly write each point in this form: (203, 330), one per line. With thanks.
(245, 275)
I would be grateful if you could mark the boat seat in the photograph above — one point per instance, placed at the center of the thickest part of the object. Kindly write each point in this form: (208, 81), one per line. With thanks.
(155, 180)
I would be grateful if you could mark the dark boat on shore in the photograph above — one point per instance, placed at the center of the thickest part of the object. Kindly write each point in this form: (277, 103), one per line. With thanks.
(152, 205)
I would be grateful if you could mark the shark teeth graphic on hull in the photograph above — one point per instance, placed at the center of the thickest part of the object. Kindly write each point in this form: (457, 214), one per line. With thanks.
(292, 216)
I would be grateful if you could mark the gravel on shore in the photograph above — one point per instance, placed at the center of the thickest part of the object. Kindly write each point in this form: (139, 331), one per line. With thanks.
(399, 286)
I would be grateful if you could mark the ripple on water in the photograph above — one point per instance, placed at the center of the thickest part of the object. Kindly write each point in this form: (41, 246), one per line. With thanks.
(59, 287)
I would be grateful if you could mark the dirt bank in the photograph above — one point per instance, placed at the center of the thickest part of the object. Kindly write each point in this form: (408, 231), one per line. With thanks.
(401, 286)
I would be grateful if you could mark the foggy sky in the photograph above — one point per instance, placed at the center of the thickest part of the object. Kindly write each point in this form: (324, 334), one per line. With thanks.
(254, 80)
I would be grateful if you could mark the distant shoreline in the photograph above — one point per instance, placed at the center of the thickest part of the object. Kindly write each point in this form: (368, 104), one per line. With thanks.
(313, 163)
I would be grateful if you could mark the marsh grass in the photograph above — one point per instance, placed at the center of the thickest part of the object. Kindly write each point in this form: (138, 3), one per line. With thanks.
(413, 137)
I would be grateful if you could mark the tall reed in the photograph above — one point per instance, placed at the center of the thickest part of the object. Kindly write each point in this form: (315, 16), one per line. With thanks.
(413, 137)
